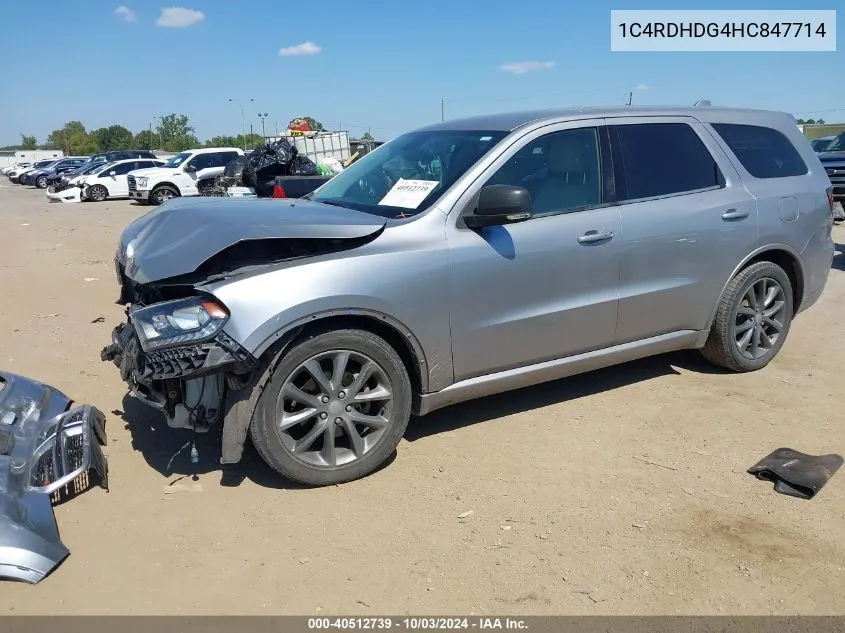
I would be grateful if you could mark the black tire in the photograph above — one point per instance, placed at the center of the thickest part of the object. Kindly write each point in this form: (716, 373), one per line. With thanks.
(721, 348)
(97, 193)
(41, 182)
(267, 439)
(159, 195)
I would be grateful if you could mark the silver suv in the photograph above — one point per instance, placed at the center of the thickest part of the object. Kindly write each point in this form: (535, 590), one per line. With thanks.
(468, 258)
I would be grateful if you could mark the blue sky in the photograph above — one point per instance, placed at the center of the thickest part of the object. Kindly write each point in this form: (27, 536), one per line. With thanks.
(372, 63)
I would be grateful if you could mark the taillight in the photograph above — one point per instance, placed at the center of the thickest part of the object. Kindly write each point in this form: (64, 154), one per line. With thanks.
(279, 192)
(830, 198)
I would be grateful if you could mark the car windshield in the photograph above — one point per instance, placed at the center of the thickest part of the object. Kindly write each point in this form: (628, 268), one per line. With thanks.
(432, 160)
(837, 145)
(820, 143)
(101, 168)
(175, 161)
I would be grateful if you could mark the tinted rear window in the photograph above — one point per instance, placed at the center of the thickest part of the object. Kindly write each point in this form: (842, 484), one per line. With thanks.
(763, 151)
(661, 159)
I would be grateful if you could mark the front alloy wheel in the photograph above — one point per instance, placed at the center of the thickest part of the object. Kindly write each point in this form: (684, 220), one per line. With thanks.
(335, 408)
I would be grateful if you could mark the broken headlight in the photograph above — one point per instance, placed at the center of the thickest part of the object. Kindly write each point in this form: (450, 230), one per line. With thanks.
(179, 322)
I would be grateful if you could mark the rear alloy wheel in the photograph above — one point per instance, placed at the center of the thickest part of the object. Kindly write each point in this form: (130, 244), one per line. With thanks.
(41, 182)
(752, 320)
(160, 195)
(334, 409)
(98, 193)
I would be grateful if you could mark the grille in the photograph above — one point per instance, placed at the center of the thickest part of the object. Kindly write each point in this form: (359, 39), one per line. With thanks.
(133, 186)
(174, 362)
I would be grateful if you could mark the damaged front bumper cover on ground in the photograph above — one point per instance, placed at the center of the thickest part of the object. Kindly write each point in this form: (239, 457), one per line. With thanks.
(47, 448)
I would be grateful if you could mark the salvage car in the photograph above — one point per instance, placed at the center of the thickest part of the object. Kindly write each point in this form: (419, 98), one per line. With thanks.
(112, 180)
(38, 178)
(47, 444)
(15, 174)
(178, 176)
(59, 181)
(464, 259)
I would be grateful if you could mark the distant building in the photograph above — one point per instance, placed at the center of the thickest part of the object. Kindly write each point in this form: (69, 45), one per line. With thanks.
(10, 157)
(814, 130)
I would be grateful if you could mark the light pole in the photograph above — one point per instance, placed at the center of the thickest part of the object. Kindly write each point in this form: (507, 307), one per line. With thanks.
(161, 132)
(243, 120)
(262, 117)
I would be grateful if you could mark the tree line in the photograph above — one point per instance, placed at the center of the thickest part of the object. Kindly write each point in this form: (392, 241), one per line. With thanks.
(174, 133)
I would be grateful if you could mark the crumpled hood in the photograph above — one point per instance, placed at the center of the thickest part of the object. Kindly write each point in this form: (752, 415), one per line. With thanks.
(183, 233)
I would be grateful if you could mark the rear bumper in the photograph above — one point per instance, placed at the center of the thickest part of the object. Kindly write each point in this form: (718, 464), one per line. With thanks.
(47, 448)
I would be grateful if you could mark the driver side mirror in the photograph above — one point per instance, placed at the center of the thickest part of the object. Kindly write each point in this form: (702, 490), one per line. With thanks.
(190, 168)
(500, 204)
(112, 173)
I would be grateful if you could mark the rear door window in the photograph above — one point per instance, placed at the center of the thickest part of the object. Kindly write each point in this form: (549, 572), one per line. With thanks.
(662, 159)
(763, 151)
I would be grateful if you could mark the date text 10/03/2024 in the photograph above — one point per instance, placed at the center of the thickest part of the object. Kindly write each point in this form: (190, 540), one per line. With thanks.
(419, 623)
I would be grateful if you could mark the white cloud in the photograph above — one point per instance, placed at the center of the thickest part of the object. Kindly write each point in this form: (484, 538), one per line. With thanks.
(306, 48)
(126, 13)
(640, 87)
(179, 17)
(520, 68)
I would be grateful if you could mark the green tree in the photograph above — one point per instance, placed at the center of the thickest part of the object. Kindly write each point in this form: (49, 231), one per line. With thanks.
(820, 121)
(225, 141)
(367, 137)
(28, 142)
(114, 137)
(314, 124)
(176, 134)
(801, 122)
(145, 140)
(73, 139)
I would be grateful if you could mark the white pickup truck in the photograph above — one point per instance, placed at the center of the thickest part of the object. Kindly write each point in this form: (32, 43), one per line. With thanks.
(178, 176)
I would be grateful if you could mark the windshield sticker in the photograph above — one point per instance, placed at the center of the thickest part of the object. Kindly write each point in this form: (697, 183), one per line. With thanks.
(486, 138)
(408, 194)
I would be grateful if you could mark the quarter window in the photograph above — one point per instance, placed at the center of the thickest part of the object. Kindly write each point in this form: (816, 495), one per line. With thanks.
(561, 170)
(763, 151)
(661, 159)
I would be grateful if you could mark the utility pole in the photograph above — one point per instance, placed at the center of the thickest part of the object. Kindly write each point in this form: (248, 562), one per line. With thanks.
(161, 133)
(243, 120)
(630, 97)
(442, 110)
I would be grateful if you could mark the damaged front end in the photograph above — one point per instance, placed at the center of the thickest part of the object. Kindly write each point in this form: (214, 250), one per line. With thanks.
(173, 350)
(48, 448)
(175, 356)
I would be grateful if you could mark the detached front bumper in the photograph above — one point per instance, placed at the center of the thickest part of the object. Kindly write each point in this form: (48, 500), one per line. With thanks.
(72, 194)
(47, 447)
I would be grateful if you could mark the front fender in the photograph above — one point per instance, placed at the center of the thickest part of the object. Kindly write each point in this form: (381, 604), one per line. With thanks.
(407, 290)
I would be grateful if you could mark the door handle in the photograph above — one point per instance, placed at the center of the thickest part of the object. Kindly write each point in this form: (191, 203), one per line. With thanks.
(591, 237)
(735, 214)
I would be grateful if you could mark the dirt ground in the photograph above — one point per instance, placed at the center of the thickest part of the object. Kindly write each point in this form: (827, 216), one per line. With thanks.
(618, 492)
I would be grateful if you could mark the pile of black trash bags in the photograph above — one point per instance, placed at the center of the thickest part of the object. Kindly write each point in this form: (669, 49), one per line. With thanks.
(259, 168)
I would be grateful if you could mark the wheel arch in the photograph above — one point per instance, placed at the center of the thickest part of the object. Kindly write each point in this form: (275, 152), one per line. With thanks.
(166, 183)
(784, 256)
(240, 404)
(396, 333)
